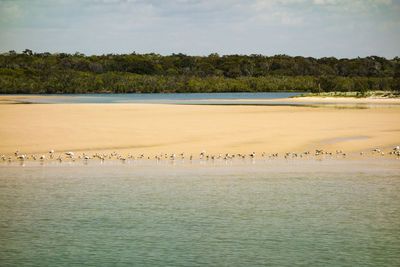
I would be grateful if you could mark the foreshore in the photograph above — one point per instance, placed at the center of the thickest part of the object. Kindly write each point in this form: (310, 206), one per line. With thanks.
(319, 99)
(218, 130)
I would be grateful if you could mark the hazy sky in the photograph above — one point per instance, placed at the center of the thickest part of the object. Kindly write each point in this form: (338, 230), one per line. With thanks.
(318, 28)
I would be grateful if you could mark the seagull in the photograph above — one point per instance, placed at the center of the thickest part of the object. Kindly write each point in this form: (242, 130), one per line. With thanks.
(69, 153)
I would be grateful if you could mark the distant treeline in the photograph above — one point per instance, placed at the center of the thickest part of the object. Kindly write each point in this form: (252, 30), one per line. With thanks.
(29, 72)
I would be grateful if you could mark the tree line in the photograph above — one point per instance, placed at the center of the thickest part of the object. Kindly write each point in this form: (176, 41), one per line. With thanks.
(47, 73)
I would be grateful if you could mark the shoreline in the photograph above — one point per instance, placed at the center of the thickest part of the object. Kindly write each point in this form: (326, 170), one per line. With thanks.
(278, 165)
(13, 99)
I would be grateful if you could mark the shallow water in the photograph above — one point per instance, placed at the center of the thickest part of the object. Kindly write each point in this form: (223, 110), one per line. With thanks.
(191, 98)
(258, 99)
(314, 214)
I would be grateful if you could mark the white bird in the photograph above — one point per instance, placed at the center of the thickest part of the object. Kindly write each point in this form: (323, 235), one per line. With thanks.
(69, 153)
(51, 151)
(396, 148)
(42, 157)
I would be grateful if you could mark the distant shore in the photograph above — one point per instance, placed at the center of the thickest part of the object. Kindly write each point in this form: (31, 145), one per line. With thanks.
(319, 99)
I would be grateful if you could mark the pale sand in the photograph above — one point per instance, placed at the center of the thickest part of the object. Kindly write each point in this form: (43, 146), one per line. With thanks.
(314, 99)
(156, 128)
(333, 100)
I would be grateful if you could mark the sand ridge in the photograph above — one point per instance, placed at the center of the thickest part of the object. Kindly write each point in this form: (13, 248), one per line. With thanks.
(315, 100)
(160, 128)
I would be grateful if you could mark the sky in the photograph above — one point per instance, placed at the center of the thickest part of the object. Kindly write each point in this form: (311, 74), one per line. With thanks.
(316, 28)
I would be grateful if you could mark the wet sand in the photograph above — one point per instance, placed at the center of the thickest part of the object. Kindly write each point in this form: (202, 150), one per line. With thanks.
(160, 128)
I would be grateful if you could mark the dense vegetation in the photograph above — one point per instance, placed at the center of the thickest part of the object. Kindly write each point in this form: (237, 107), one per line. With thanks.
(29, 72)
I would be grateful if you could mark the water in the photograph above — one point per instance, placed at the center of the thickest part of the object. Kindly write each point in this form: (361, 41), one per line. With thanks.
(328, 214)
(191, 98)
(344, 139)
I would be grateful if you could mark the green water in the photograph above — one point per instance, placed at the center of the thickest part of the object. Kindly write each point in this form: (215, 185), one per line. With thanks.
(181, 216)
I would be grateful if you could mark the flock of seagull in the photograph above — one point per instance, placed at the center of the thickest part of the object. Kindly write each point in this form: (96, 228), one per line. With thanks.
(203, 156)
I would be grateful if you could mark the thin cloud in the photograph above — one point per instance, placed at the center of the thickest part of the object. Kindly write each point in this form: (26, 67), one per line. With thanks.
(199, 27)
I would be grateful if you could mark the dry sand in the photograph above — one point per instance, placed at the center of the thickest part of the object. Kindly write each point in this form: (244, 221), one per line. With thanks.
(156, 128)
(365, 100)
(314, 99)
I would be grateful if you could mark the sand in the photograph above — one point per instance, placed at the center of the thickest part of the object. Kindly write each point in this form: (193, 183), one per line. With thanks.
(160, 128)
(315, 99)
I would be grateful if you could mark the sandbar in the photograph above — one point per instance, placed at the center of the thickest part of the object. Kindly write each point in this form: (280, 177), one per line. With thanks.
(316, 100)
(161, 128)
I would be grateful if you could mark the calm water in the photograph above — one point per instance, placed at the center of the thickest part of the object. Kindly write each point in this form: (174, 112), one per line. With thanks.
(193, 98)
(326, 214)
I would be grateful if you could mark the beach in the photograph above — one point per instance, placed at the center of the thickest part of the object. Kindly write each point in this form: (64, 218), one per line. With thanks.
(161, 128)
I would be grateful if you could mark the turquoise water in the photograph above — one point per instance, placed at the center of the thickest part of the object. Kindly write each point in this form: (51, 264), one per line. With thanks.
(322, 214)
(192, 98)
